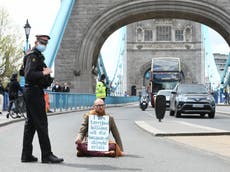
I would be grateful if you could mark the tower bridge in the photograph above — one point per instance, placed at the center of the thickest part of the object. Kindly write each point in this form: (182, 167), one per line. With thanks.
(83, 26)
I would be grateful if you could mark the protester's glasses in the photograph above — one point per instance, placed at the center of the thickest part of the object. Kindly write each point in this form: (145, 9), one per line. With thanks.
(99, 105)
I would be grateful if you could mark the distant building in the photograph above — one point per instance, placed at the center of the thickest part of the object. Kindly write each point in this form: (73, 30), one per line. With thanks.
(163, 38)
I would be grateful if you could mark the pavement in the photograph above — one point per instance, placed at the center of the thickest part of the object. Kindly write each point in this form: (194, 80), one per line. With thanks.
(211, 140)
(182, 128)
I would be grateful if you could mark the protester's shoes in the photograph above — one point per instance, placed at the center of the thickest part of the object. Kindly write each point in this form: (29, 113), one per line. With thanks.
(110, 154)
(52, 159)
(7, 115)
(0, 113)
(30, 158)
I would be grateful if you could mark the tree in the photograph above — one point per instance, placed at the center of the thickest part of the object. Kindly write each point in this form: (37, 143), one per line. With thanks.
(11, 52)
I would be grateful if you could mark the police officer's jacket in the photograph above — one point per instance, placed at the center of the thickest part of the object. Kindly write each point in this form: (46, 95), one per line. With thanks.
(34, 64)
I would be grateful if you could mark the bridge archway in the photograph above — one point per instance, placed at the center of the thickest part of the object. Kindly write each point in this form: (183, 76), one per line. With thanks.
(133, 11)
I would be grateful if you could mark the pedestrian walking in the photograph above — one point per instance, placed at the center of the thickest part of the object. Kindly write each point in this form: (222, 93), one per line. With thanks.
(82, 137)
(2, 90)
(13, 88)
(37, 78)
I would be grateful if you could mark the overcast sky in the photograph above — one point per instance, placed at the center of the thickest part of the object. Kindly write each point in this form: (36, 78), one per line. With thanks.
(41, 15)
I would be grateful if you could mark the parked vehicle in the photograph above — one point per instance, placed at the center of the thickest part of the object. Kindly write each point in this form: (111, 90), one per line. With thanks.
(191, 99)
(167, 94)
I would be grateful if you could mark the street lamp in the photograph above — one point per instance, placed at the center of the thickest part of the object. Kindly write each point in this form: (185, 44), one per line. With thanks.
(27, 28)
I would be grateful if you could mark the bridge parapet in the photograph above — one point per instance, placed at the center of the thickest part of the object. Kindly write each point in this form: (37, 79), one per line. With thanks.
(60, 101)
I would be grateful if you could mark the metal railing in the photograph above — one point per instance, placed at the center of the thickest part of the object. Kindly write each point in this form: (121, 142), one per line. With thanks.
(60, 101)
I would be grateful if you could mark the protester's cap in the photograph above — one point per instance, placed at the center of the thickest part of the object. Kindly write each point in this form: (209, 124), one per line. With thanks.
(43, 39)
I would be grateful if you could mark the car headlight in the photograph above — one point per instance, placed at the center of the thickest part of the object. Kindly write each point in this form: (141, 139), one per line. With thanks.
(182, 98)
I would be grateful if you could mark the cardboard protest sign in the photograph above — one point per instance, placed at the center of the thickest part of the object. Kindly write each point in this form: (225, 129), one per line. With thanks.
(98, 133)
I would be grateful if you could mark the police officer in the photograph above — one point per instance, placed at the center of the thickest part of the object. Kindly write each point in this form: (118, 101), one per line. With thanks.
(37, 77)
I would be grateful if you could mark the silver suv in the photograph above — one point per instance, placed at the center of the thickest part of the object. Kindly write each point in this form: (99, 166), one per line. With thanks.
(191, 99)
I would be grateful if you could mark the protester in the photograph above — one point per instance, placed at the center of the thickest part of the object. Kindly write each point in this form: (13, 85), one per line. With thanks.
(81, 140)
(37, 78)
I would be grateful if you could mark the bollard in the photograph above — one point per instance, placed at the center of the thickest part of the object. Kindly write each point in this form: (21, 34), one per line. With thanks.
(160, 107)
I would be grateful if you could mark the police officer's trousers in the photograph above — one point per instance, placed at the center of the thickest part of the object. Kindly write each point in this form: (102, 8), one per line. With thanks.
(36, 121)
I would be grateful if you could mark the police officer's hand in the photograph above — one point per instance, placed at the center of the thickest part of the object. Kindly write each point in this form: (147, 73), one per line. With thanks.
(46, 71)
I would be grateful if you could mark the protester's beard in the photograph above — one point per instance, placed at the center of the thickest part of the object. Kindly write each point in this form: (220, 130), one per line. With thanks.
(100, 112)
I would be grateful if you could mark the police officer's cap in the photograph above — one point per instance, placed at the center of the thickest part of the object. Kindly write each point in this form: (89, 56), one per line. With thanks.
(43, 38)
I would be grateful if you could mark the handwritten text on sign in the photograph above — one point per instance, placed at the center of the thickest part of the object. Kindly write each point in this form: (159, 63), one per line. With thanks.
(98, 133)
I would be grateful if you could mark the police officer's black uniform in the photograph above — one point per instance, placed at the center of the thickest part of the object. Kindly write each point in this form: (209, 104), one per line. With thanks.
(35, 82)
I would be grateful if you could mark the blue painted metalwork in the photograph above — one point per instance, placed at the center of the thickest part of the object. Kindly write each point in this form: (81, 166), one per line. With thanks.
(102, 70)
(58, 30)
(71, 101)
(5, 101)
(210, 66)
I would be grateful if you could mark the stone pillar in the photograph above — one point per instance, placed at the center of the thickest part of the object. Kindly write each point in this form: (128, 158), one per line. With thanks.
(84, 83)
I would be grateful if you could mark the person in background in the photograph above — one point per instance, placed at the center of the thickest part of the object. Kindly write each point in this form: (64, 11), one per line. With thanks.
(57, 88)
(2, 90)
(65, 89)
(99, 110)
(37, 78)
(101, 90)
(13, 87)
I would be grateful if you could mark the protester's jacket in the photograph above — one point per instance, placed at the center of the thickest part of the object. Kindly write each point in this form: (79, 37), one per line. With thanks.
(112, 127)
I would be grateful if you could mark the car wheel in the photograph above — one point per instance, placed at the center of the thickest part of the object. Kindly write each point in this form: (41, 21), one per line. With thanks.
(171, 113)
(211, 115)
(178, 114)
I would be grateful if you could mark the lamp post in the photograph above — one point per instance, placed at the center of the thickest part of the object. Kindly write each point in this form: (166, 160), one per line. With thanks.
(27, 28)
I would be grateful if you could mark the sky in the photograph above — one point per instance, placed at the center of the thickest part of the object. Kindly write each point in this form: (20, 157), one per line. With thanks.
(41, 15)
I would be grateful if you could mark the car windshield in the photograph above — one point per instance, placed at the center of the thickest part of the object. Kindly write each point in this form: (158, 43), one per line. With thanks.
(164, 92)
(192, 89)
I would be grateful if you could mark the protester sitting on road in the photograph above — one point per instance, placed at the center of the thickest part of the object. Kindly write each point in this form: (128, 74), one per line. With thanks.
(115, 149)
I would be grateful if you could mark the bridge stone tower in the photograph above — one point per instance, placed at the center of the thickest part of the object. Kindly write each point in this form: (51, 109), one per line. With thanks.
(164, 38)
(91, 23)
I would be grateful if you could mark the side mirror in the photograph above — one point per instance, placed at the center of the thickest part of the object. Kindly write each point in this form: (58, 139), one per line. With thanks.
(173, 92)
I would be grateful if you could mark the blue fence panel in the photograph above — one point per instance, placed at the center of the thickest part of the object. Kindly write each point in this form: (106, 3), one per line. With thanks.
(59, 101)
(70, 101)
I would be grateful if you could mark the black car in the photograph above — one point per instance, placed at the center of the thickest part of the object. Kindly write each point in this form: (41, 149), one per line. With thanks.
(191, 99)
